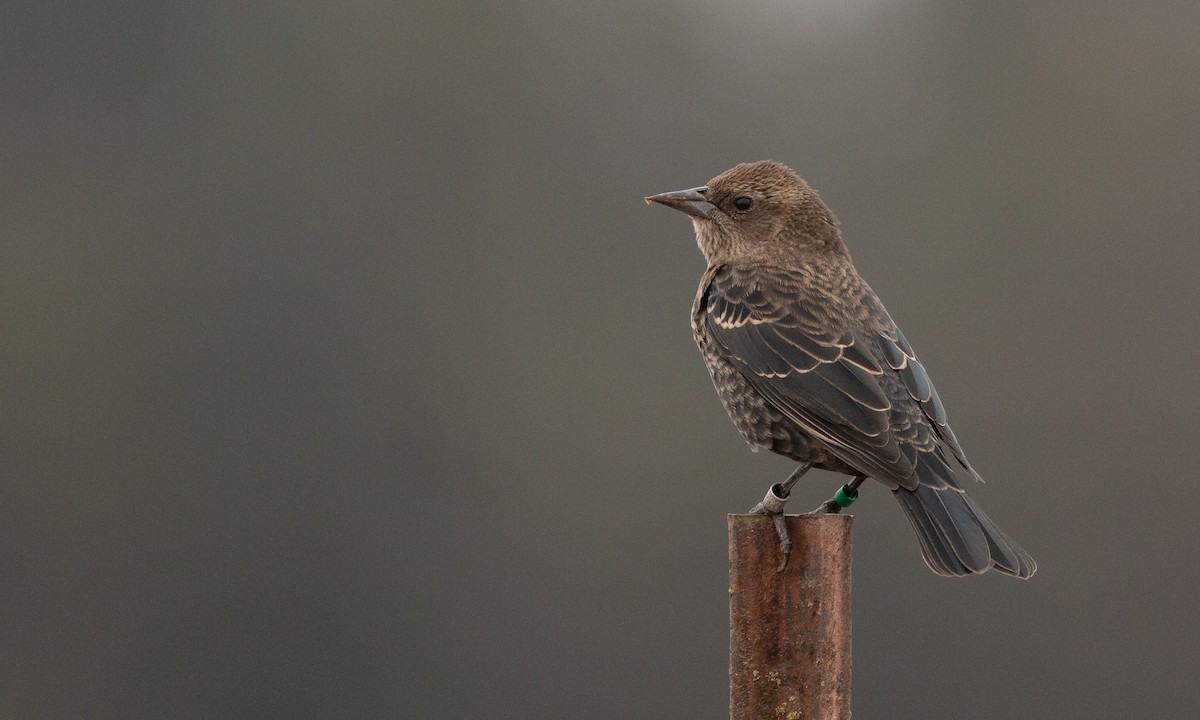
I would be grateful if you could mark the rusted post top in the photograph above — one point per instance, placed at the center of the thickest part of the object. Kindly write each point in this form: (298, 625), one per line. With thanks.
(789, 631)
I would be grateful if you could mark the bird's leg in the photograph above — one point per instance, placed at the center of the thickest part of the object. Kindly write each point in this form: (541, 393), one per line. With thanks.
(772, 505)
(843, 498)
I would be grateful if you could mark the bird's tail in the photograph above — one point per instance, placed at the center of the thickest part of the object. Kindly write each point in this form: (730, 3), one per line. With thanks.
(957, 538)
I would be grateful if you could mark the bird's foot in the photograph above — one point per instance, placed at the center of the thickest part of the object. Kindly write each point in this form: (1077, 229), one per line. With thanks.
(772, 506)
(843, 498)
(829, 506)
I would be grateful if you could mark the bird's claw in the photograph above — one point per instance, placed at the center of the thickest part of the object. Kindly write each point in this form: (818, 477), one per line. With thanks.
(772, 506)
(785, 541)
(829, 506)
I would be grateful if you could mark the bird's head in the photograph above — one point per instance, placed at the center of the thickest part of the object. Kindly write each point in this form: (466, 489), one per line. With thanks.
(757, 212)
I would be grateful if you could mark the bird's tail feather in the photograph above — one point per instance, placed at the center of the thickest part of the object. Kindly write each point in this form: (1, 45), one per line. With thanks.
(957, 538)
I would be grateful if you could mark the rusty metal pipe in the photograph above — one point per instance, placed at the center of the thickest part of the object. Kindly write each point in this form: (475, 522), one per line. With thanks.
(789, 631)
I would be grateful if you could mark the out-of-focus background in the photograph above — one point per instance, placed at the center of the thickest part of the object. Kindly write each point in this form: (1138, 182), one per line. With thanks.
(343, 372)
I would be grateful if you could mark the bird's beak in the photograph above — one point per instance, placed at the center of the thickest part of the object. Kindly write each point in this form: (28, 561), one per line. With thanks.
(691, 202)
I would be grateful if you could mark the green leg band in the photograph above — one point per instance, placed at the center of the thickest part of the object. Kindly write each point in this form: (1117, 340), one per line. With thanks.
(845, 497)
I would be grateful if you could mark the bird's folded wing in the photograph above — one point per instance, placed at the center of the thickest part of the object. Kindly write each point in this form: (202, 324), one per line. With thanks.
(860, 391)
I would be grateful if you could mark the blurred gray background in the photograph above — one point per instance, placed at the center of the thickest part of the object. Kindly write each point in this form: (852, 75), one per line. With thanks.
(344, 374)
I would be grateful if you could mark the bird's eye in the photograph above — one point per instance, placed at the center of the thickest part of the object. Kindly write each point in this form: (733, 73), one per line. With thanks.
(743, 203)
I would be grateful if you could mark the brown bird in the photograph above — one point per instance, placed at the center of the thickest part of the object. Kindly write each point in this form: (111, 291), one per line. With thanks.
(809, 364)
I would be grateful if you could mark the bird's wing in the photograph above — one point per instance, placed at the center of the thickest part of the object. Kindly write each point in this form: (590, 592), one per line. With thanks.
(860, 391)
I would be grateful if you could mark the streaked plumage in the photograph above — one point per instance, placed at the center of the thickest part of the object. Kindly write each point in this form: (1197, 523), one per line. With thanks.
(809, 364)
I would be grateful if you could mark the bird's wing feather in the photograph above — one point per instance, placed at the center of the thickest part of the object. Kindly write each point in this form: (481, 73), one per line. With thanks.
(855, 386)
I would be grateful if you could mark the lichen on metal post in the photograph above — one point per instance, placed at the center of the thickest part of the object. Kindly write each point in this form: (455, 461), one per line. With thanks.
(789, 631)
